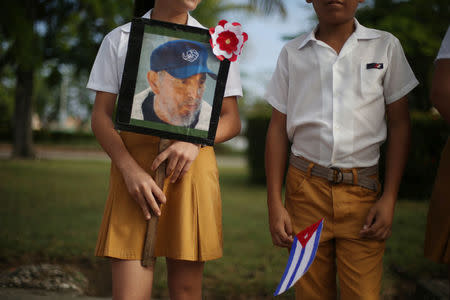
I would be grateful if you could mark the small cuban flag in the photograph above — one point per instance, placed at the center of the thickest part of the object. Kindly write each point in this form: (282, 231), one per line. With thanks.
(302, 254)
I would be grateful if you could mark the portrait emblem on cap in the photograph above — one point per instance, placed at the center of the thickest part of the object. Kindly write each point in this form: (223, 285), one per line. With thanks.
(190, 55)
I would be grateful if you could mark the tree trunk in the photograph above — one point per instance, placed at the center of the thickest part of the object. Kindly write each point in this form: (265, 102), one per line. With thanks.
(142, 6)
(23, 139)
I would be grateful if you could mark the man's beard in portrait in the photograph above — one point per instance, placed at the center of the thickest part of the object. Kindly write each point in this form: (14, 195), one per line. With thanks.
(188, 119)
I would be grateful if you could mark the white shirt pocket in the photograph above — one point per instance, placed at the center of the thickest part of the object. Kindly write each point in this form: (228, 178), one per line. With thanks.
(372, 75)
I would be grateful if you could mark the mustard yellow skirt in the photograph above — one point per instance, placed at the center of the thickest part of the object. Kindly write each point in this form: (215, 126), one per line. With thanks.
(437, 237)
(190, 226)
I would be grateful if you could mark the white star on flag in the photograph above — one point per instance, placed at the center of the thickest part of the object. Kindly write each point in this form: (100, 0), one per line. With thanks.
(302, 254)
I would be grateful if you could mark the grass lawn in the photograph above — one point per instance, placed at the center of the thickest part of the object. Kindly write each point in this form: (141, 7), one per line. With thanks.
(51, 211)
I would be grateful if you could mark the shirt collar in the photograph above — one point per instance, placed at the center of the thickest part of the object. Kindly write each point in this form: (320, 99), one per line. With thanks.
(190, 20)
(361, 33)
(147, 15)
(364, 33)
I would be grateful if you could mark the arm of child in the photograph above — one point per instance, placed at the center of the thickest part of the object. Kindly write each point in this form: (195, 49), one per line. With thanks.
(440, 89)
(181, 155)
(379, 219)
(229, 123)
(140, 184)
(275, 162)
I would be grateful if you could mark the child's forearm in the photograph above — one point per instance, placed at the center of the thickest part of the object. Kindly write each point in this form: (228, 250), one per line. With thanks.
(275, 158)
(378, 221)
(275, 162)
(399, 131)
(229, 123)
(440, 89)
(103, 129)
(141, 186)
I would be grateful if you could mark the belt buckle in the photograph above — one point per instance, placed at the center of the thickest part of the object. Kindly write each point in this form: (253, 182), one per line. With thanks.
(338, 177)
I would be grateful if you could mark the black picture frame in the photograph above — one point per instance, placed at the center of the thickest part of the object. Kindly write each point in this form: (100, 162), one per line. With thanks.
(147, 35)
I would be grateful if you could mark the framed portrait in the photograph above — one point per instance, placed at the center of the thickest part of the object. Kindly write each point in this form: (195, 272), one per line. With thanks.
(172, 84)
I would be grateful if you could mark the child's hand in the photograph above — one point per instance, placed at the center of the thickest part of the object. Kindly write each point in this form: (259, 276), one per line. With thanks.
(379, 219)
(143, 189)
(180, 156)
(280, 227)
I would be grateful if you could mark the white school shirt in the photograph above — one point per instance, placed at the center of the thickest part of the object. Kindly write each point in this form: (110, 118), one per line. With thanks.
(106, 73)
(444, 51)
(335, 104)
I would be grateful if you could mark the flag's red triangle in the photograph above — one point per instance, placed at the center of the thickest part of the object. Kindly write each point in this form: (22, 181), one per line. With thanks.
(304, 235)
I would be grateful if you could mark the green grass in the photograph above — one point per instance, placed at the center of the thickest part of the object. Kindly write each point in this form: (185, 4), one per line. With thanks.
(51, 211)
(405, 248)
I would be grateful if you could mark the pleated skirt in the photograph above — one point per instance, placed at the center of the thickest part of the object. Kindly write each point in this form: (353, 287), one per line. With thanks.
(190, 226)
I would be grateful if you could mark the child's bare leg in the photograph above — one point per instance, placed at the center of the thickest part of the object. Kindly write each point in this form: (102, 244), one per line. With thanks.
(184, 279)
(130, 280)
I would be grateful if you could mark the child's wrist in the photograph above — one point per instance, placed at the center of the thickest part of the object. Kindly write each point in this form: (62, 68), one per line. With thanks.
(274, 202)
(124, 165)
(389, 198)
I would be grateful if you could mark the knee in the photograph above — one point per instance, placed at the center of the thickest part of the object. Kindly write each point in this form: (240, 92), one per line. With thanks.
(185, 279)
(182, 290)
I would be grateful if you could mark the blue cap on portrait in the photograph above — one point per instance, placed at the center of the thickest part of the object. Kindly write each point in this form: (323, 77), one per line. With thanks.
(181, 59)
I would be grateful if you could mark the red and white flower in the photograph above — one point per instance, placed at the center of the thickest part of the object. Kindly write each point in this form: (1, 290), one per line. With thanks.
(227, 40)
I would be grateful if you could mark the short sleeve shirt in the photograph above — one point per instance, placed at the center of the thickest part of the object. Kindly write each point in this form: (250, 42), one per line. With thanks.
(106, 73)
(444, 51)
(335, 103)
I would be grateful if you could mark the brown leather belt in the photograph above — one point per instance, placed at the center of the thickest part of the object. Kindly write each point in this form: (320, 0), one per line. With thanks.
(354, 176)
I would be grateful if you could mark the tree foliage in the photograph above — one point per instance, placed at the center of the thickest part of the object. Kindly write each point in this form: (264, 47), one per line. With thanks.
(35, 33)
(61, 31)
(269, 6)
(208, 12)
(6, 101)
(420, 25)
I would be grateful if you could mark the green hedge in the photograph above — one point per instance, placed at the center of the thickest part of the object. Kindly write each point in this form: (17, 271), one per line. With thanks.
(429, 134)
(257, 124)
(54, 137)
(63, 137)
(256, 135)
(428, 137)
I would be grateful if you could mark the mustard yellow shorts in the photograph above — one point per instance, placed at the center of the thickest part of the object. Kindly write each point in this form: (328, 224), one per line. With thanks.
(358, 262)
(437, 237)
(190, 227)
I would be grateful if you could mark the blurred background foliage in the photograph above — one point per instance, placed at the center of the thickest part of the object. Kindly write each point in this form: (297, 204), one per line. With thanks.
(420, 25)
(40, 39)
(53, 43)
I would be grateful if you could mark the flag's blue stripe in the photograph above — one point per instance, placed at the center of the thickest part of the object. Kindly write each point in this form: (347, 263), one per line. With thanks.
(316, 244)
(291, 256)
(296, 267)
